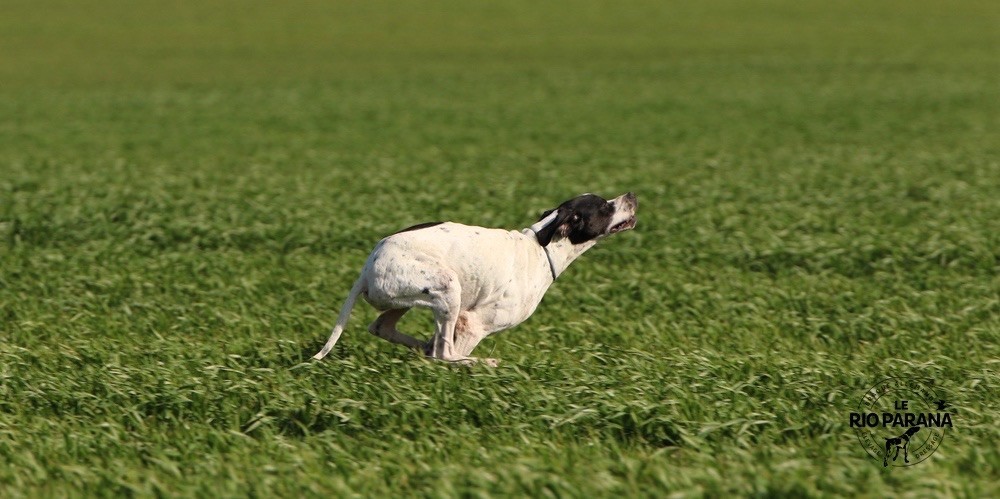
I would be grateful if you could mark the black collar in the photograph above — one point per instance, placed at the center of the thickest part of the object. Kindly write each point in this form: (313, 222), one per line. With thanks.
(552, 266)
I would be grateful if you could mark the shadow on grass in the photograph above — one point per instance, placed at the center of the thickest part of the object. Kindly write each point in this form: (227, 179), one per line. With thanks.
(629, 430)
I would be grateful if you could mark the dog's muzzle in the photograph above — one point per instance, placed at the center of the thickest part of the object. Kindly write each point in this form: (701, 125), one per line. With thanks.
(626, 225)
(631, 204)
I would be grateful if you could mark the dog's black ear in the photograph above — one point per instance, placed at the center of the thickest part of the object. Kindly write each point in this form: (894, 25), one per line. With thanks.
(547, 232)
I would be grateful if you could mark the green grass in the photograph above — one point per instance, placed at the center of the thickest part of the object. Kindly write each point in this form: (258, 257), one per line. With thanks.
(187, 193)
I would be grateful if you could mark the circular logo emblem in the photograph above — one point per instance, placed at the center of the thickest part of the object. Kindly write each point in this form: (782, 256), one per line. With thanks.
(901, 422)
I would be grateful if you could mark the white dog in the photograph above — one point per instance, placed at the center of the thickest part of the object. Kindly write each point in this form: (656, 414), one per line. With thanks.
(476, 280)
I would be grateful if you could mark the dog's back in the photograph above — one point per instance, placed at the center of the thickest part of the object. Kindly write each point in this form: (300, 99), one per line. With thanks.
(489, 263)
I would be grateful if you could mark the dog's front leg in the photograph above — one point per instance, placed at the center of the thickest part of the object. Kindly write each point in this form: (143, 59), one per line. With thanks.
(468, 333)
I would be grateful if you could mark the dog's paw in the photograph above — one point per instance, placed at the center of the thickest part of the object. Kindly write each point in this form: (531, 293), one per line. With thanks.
(466, 361)
(476, 361)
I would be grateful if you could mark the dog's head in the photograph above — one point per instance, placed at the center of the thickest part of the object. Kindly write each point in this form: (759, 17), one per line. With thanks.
(587, 217)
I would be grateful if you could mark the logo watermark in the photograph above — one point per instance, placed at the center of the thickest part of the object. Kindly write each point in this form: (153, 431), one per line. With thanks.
(901, 422)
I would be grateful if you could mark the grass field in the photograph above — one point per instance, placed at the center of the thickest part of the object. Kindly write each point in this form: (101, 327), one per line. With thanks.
(187, 192)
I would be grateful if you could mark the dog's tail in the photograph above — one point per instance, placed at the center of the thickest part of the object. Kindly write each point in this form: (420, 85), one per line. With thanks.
(345, 313)
(912, 430)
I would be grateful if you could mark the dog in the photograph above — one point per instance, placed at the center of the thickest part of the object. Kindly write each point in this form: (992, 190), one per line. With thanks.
(900, 442)
(477, 281)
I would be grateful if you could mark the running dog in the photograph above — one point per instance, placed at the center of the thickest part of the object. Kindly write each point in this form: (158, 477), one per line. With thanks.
(477, 281)
(900, 442)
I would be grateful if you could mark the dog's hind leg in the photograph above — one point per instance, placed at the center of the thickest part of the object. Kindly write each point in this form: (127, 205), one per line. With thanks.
(446, 304)
(385, 327)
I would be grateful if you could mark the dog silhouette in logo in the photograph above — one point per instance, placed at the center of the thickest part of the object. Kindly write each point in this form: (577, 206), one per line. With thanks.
(900, 442)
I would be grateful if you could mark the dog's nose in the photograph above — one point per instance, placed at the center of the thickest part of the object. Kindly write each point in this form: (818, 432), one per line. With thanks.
(632, 199)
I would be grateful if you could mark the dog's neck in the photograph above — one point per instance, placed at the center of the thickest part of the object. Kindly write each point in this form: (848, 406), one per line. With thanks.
(560, 252)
